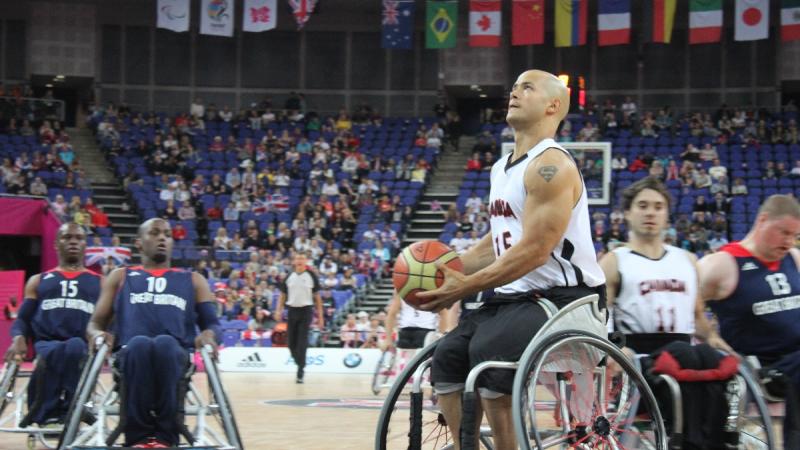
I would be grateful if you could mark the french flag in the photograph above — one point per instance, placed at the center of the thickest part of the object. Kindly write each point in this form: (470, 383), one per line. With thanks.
(614, 22)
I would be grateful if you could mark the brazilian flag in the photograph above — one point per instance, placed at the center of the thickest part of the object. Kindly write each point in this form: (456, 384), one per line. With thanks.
(440, 24)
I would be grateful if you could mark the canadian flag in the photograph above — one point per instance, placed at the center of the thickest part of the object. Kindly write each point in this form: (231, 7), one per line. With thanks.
(484, 23)
(752, 20)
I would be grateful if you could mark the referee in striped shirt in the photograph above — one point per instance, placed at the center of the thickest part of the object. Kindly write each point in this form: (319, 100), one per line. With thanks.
(299, 292)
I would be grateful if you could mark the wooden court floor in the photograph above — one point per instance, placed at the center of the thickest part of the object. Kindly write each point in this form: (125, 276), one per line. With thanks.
(290, 427)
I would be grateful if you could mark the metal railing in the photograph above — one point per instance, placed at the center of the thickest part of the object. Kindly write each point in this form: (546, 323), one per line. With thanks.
(31, 108)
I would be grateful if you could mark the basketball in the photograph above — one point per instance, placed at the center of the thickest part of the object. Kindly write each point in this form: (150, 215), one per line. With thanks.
(415, 269)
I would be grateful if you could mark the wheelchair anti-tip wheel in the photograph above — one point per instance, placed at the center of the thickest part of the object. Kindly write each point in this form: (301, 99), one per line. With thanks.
(578, 390)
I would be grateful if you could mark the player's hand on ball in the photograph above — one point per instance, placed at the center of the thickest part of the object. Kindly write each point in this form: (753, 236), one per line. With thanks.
(451, 291)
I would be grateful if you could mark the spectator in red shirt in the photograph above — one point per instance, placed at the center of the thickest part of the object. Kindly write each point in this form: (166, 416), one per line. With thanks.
(475, 163)
(637, 164)
(178, 232)
(214, 213)
(99, 218)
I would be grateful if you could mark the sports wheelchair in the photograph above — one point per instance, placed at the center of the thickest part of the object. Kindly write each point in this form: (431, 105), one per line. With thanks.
(748, 424)
(214, 423)
(15, 379)
(573, 388)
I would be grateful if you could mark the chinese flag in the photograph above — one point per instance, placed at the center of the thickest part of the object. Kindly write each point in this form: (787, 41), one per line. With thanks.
(527, 22)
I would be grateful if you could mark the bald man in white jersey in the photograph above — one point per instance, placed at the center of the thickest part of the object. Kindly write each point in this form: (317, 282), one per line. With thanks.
(540, 246)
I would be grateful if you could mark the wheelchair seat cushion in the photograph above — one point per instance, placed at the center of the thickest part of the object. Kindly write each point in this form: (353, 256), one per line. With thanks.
(687, 363)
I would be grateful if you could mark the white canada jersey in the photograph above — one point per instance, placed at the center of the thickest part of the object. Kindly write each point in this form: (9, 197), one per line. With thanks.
(655, 295)
(410, 317)
(573, 261)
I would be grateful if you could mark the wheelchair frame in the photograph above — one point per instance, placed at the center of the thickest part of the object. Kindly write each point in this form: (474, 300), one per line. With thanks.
(549, 330)
(14, 407)
(98, 434)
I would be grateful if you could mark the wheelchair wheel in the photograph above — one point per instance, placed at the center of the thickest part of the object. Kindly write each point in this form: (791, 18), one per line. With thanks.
(384, 371)
(749, 424)
(413, 421)
(577, 390)
(7, 381)
(221, 398)
(83, 395)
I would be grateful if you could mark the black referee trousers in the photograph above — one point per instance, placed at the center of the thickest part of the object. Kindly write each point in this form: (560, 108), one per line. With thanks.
(299, 323)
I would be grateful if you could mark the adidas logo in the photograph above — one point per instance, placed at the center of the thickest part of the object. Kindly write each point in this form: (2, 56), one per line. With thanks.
(48, 276)
(252, 361)
(133, 274)
(749, 266)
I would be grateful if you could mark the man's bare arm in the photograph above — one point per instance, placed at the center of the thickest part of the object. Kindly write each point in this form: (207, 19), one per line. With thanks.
(611, 270)
(479, 256)
(718, 276)
(104, 309)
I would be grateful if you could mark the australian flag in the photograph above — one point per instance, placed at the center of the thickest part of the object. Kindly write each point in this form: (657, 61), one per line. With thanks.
(398, 24)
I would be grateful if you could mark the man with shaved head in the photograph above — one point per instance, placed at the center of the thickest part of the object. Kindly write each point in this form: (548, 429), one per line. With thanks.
(58, 304)
(540, 246)
(155, 310)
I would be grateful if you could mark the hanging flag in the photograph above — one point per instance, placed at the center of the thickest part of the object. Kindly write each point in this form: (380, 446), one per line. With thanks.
(216, 17)
(705, 21)
(173, 15)
(752, 20)
(96, 256)
(398, 24)
(484, 23)
(441, 22)
(527, 22)
(614, 22)
(790, 20)
(302, 9)
(259, 15)
(663, 17)
(571, 22)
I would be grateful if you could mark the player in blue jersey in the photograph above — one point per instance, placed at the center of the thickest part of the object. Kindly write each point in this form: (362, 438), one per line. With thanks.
(58, 304)
(155, 309)
(753, 286)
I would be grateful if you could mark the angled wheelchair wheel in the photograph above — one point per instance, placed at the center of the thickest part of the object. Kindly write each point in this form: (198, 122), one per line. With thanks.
(384, 371)
(8, 379)
(749, 424)
(410, 418)
(231, 430)
(81, 404)
(578, 390)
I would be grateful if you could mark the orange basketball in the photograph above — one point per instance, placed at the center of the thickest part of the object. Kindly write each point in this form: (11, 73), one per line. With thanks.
(415, 269)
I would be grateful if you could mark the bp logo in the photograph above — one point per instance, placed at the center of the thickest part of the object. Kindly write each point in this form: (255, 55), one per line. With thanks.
(352, 360)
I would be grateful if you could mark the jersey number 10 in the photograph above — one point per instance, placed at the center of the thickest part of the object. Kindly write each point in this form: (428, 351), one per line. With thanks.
(156, 284)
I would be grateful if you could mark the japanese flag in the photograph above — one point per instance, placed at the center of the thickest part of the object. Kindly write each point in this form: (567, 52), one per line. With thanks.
(752, 20)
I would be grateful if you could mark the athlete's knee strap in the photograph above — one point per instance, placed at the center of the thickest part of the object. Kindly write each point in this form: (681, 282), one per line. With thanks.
(207, 318)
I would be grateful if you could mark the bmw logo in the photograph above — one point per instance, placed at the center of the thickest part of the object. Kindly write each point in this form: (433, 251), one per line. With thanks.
(352, 360)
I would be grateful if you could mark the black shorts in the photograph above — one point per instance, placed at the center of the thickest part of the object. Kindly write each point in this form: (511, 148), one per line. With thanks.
(412, 337)
(500, 330)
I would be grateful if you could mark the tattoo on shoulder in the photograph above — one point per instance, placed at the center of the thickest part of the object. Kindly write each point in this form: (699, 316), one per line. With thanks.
(548, 172)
